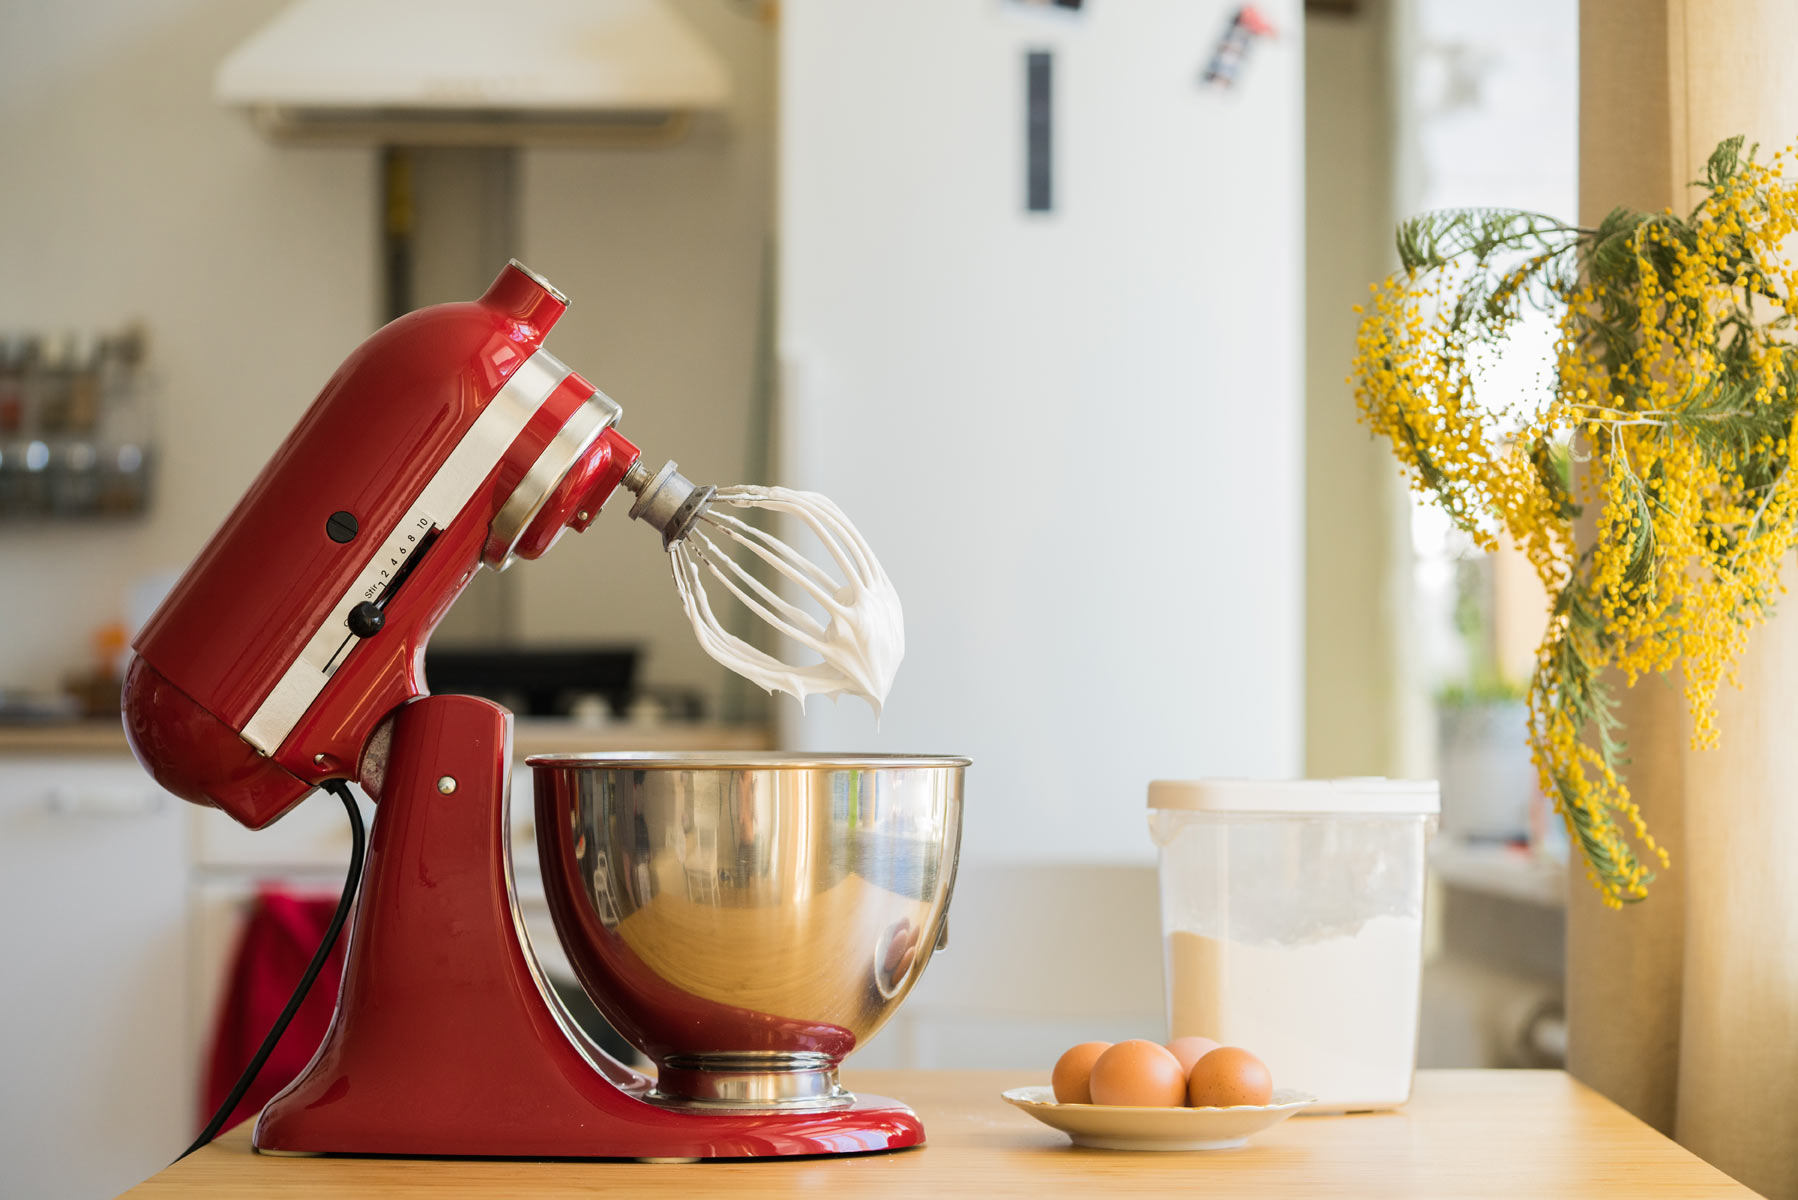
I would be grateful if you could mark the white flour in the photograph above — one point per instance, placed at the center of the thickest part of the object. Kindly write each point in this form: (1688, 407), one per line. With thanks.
(1335, 1017)
(861, 636)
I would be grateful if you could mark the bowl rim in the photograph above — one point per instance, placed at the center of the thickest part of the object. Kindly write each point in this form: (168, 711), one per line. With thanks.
(740, 760)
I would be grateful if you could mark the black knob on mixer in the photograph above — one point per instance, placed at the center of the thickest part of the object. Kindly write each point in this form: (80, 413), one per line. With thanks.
(366, 619)
(341, 526)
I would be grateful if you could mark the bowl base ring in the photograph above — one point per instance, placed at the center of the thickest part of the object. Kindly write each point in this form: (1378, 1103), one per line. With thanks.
(735, 1082)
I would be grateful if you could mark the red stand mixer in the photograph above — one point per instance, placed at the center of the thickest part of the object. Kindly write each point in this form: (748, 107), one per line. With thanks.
(744, 921)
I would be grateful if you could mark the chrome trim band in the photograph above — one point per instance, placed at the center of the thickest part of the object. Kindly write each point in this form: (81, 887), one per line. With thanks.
(598, 413)
(473, 459)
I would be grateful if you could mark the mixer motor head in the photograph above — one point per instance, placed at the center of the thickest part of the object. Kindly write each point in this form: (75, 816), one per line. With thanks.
(450, 441)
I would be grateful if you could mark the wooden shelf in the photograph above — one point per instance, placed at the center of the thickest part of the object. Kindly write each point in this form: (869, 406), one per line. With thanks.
(1499, 870)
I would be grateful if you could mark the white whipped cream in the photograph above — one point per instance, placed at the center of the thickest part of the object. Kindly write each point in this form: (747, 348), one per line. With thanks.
(861, 635)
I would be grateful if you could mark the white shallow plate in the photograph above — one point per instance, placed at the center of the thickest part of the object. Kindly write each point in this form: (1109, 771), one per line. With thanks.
(1118, 1127)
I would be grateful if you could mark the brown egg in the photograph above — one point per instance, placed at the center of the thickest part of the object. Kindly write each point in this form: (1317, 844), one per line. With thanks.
(1226, 1077)
(1190, 1050)
(1140, 1073)
(1072, 1079)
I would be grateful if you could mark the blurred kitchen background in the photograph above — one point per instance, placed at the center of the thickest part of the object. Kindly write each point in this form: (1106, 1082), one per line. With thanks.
(1054, 298)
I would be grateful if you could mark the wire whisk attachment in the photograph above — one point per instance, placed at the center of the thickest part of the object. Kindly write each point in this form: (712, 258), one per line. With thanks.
(858, 628)
(851, 619)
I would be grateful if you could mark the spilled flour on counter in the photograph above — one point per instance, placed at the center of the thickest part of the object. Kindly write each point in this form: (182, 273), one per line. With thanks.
(858, 628)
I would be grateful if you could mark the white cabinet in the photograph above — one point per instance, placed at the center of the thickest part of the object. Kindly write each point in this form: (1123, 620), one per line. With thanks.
(100, 1078)
(124, 905)
(306, 852)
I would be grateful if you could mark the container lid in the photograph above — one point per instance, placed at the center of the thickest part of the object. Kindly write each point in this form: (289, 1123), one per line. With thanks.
(1386, 797)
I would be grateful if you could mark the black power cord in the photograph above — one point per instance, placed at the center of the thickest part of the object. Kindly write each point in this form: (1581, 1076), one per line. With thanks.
(357, 844)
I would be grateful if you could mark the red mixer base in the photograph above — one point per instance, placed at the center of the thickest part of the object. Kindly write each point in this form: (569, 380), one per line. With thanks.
(444, 1042)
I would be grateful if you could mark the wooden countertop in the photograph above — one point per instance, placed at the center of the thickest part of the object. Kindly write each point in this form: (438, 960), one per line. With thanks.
(1465, 1133)
(530, 736)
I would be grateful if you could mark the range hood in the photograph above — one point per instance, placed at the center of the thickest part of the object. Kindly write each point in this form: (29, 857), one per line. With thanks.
(473, 72)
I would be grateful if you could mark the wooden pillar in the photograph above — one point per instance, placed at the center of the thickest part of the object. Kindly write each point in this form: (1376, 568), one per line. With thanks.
(1685, 1008)
(1357, 566)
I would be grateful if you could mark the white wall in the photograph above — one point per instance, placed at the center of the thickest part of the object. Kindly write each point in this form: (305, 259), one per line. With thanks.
(662, 253)
(1074, 439)
(128, 195)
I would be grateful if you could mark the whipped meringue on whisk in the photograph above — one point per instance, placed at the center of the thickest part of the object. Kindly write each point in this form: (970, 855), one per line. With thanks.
(858, 628)
(850, 618)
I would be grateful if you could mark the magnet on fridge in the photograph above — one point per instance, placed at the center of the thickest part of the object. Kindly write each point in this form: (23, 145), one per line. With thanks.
(1232, 49)
(1069, 7)
(1039, 97)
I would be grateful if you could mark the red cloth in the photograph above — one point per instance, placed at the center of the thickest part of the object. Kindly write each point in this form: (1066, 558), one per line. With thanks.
(280, 936)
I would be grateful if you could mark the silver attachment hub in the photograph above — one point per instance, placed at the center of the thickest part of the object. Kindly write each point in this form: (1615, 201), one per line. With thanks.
(667, 499)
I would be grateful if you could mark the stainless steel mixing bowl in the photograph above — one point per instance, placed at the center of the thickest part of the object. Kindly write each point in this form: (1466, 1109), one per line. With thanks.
(748, 920)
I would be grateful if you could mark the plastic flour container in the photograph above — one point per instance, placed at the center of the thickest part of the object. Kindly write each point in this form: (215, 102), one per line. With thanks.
(1292, 926)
